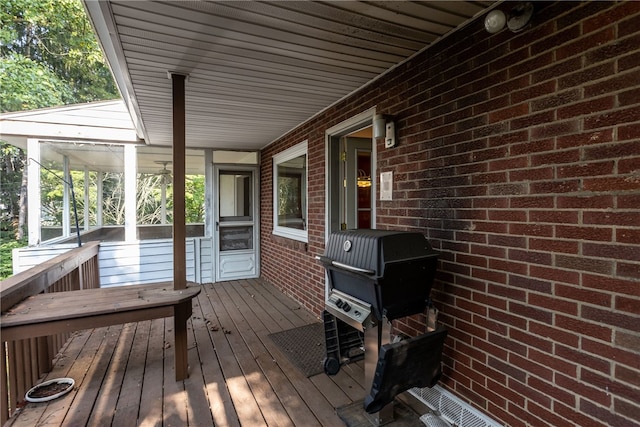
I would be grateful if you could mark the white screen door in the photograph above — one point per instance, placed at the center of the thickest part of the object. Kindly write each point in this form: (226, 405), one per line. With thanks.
(236, 222)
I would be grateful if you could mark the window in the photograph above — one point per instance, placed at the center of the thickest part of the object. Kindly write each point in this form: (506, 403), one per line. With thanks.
(235, 201)
(290, 193)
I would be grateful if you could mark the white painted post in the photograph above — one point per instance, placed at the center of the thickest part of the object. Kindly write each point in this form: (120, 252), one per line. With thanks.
(86, 198)
(208, 193)
(33, 192)
(66, 198)
(163, 201)
(130, 178)
(99, 198)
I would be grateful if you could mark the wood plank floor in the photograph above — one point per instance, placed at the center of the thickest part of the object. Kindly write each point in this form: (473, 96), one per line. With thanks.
(125, 376)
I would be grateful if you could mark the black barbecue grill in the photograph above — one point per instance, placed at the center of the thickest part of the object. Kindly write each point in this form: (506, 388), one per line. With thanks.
(390, 270)
(374, 277)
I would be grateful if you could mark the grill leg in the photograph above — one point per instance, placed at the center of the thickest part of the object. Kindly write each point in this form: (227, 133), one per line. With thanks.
(375, 336)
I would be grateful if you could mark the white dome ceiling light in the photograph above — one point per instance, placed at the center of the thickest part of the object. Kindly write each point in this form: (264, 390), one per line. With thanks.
(516, 20)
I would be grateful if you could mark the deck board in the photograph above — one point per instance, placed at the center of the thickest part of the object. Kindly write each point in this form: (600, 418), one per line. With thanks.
(287, 396)
(128, 403)
(106, 399)
(174, 405)
(98, 359)
(237, 376)
(220, 402)
(41, 413)
(150, 399)
(270, 408)
(244, 402)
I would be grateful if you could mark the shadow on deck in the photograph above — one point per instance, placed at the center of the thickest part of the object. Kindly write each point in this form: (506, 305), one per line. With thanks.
(125, 375)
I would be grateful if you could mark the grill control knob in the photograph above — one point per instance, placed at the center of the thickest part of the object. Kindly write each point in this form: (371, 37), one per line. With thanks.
(346, 307)
(339, 303)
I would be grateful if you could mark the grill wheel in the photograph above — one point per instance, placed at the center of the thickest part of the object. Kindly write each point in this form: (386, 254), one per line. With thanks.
(331, 365)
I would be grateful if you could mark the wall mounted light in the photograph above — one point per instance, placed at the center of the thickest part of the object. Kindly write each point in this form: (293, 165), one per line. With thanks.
(379, 124)
(384, 127)
(516, 20)
(495, 21)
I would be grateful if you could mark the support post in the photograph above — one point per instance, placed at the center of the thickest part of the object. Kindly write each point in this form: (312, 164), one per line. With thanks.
(86, 198)
(66, 198)
(179, 218)
(208, 193)
(100, 198)
(34, 212)
(182, 312)
(130, 188)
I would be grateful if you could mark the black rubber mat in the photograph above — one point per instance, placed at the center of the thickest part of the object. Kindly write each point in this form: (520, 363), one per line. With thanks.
(304, 347)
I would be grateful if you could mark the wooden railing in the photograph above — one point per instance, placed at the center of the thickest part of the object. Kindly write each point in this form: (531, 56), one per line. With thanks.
(27, 360)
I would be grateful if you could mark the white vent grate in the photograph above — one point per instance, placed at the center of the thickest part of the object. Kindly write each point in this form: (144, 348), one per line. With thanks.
(450, 409)
(455, 411)
(432, 420)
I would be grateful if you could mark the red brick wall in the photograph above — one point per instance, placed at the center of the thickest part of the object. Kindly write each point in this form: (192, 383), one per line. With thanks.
(519, 159)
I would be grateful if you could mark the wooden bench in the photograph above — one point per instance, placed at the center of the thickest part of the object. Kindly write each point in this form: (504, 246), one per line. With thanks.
(50, 313)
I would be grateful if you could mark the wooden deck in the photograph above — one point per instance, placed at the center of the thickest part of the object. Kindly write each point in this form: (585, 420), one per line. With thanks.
(125, 375)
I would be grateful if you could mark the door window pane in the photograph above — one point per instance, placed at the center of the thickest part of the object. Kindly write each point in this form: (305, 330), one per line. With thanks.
(235, 196)
(236, 238)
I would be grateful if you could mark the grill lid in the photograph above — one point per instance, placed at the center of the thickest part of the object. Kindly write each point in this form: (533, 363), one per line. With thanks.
(371, 250)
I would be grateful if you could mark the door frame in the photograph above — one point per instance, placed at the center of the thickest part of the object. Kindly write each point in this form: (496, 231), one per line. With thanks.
(255, 171)
(333, 177)
(353, 146)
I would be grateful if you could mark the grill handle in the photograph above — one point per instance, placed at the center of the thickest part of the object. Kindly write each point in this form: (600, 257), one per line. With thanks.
(347, 267)
(352, 268)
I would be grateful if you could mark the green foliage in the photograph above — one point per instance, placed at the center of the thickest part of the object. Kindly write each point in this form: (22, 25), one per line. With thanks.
(50, 56)
(194, 199)
(11, 165)
(148, 198)
(7, 244)
(27, 85)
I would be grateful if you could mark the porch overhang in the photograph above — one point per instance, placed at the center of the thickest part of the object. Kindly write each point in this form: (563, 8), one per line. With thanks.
(258, 69)
(90, 122)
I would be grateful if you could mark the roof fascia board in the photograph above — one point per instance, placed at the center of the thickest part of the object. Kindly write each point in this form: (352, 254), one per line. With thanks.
(58, 109)
(66, 131)
(101, 16)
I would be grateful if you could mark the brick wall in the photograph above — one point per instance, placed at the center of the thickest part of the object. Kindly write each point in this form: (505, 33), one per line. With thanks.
(519, 159)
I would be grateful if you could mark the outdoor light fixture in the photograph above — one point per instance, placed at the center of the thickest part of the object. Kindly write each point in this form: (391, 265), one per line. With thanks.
(517, 19)
(364, 180)
(495, 21)
(383, 127)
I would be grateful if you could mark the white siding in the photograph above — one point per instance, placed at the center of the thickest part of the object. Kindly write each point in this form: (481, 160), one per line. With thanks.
(24, 258)
(130, 263)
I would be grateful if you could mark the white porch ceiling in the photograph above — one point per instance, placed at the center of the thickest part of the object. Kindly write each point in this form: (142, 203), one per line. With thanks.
(258, 69)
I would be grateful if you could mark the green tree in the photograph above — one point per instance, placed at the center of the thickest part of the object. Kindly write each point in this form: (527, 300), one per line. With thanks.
(27, 85)
(11, 188)
(50, 56)
(194, 199)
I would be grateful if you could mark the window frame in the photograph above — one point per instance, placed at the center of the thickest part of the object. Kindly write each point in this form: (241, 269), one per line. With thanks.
(282, 157)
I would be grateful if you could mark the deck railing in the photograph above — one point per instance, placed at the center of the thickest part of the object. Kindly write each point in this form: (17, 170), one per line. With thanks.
(27, 360)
